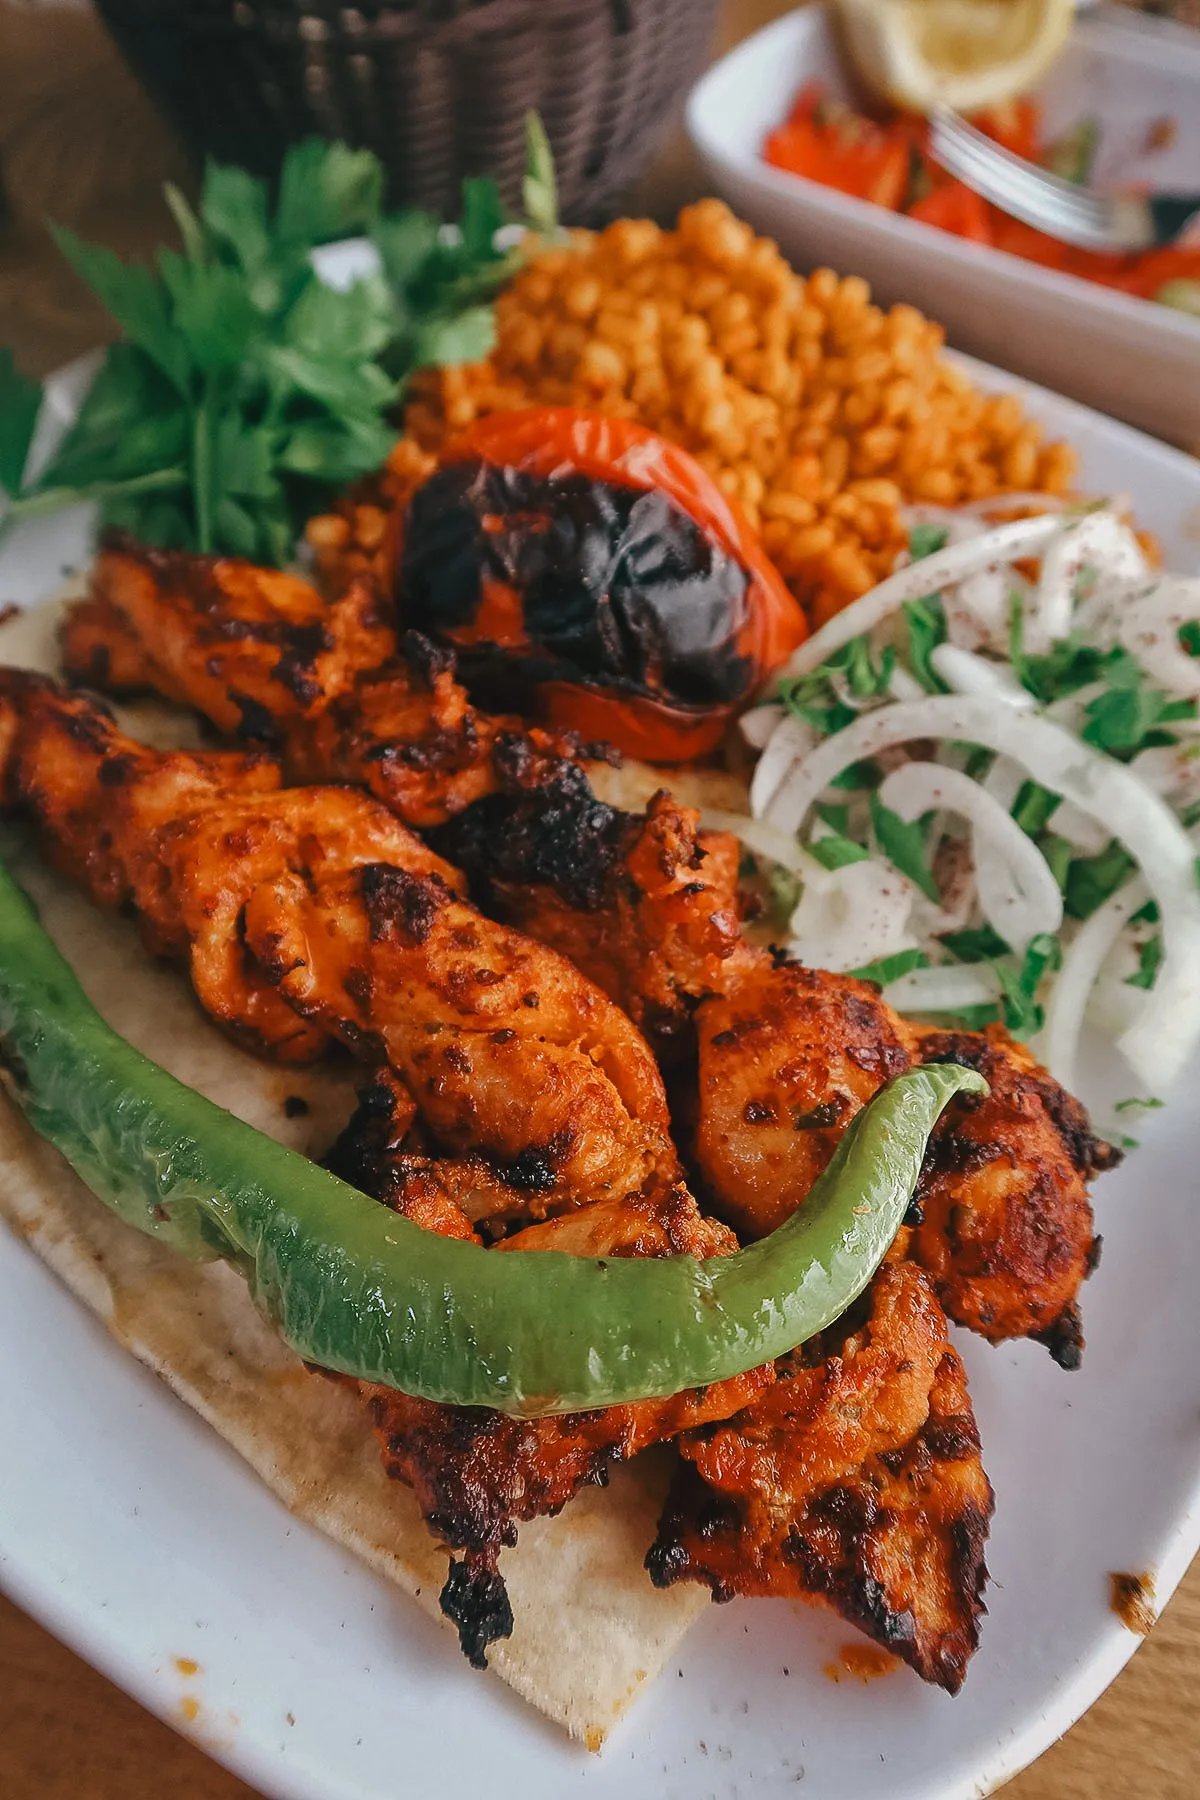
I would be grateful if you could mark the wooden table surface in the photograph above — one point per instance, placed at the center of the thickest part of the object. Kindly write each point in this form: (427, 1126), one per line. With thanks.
(78, 141)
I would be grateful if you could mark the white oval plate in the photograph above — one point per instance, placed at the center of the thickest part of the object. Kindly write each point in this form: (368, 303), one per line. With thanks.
(132, 1532)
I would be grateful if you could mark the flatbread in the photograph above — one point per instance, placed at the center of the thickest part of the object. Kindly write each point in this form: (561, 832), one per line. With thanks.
(590, 1631)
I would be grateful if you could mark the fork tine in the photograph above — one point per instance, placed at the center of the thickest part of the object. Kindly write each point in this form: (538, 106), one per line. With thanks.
(984, 154)
(1040, 199)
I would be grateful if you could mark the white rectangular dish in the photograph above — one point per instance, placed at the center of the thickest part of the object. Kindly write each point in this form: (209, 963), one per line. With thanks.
(139, 1537)
(1131, 358)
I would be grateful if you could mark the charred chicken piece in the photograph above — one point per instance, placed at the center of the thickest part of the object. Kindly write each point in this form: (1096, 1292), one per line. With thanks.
(477, 1474)
(854, 1480)
(508, 1050)
(1001, 1218)
(787, 1056)
(644, 903)
(311, 913)
(324, 683)
(125, 823)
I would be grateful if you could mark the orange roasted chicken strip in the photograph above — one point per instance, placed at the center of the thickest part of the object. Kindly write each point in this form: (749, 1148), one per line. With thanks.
(477, 1474)
(311, 913)
(647, 906)
(508, 1050)
(1001, 1218)
(325, 683)
(645, 903)
(854, 1480)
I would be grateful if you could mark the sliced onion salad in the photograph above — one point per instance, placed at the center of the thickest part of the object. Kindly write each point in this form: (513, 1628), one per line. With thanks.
(982, 781)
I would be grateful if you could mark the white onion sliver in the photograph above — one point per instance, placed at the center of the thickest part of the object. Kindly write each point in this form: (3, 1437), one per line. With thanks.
(792, 737)
(1148, 626)
(1002, 783)
(951, 987)
(1158, 1043)
(1047, 503)
(903, 686)
(757, 725)
(1113, 1006)
(1083, 831)
(977, 608)
(1022, 538)
(1098, 537)
(967, 673)
(1027, 901)
(762, 839)
(1058, 1041)
(852, 916)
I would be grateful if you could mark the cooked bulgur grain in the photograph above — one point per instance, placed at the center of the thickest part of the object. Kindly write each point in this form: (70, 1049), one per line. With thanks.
(819, 412)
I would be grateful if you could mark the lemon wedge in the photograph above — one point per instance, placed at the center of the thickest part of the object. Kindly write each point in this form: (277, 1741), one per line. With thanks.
(968, 54)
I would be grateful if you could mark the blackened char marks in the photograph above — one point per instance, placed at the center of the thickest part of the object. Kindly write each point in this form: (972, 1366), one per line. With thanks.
(1006, 1225)
(258, 724)
(425, 658)
(399, 905)
(476, 1602)
(559, 835)
(1064, 1338)
(562, 577)
(854, 1480)
(296, 668)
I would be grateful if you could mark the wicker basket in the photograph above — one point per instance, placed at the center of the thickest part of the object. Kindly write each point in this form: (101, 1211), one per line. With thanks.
(437, 88)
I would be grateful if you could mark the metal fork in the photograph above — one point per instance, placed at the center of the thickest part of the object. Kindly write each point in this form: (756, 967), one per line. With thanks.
(1072, 214)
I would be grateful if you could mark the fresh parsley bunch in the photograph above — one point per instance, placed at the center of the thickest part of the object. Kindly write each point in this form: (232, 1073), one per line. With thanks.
(243, 390)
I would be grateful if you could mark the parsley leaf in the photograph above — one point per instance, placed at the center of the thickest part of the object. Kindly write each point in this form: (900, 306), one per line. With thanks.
(971, 1018)
(1091, 880)
(540, 189)
(1148, 1105)
(926, 622)
(977, 944)
(813, 699)
(891, 968)
(1150, 955)
(1022, 1014)
(135, 299)
(20, 400)
(784, 887)
(835, 851)
(903, 845)
(1067, 666)
(1058, 852)
(865, 678)
(857, 776)
(244, 391)
(327, 191)
(836, 817)
(1128, 717)
(1033, 806)
(924, 540)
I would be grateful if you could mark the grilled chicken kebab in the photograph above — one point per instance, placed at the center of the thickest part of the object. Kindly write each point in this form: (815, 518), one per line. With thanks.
(328, 685)
(514, 1101)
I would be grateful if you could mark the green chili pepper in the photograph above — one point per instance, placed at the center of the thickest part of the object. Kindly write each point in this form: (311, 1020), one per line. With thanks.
(353, 1287)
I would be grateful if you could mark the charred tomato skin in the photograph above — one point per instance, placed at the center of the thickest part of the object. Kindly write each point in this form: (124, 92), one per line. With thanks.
(589, 571)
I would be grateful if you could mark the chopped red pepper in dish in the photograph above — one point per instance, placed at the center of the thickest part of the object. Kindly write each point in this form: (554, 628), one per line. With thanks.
(886, 161)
